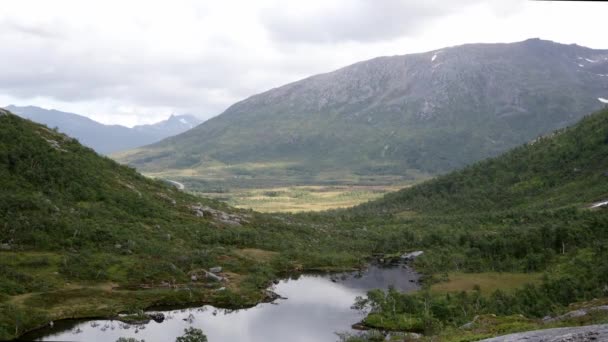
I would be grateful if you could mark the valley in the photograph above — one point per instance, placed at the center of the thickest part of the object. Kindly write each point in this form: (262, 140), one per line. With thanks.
(515, 229)
(386, 121)
(449, 193)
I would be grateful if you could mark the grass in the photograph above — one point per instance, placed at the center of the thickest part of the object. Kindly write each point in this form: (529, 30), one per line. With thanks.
(488, 281)
(275, 187)
(301, 198)
(259, 255)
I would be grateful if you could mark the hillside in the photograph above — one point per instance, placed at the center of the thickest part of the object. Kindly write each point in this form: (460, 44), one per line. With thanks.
(567, 168)
(82, 236)
(389, 119)
(537, 212)
(106, 139)
(86, 237)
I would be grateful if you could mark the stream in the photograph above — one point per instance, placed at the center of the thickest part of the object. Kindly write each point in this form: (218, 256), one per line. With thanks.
(315, 309)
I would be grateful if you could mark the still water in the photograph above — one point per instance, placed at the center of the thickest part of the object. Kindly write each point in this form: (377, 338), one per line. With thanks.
(316, 308)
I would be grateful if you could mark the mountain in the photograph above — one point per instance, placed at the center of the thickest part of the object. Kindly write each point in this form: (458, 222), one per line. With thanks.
(391, 118)
(106, 139)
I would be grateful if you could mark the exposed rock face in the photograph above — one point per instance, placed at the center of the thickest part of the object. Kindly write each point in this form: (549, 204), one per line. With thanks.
(574, 334)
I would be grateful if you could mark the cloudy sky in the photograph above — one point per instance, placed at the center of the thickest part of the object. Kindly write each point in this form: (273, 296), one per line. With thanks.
(133, 62)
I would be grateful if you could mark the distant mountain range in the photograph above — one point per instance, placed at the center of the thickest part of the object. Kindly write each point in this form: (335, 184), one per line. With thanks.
(391, 118)
(106, 139)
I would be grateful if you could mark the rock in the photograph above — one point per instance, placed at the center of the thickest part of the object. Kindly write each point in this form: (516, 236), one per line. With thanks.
(198, 210)
(118, 246)
(203, 211)
(214, 277)
(193, 277)
(571, 334)
(5, 247)
(216, 269)
(411, 256)
(575, 313)
(271, 296)
(359, 326)
(467, 326)
(157, 317)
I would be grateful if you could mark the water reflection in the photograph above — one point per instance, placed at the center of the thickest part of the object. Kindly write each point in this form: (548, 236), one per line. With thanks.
(315, 309)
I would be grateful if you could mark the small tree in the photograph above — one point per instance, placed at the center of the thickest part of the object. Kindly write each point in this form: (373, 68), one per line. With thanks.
(192, 335)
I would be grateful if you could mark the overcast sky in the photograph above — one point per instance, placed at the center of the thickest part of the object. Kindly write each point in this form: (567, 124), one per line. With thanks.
(131, 62)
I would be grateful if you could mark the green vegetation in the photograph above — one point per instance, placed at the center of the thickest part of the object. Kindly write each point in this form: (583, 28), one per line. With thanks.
(487, 282)
(192, 335)
(528, 211)
(82, 236)
(300, 198)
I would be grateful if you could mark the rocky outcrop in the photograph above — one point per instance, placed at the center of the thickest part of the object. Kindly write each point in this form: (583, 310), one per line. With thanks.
(571, 334)
(576, 313)
(221, 216)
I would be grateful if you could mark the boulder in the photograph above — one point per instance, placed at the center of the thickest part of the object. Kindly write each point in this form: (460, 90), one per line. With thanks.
(214, 277)
(216, 269)
(571, 334)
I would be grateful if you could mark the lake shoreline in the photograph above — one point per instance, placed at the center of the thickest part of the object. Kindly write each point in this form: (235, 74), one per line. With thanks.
(266, 295)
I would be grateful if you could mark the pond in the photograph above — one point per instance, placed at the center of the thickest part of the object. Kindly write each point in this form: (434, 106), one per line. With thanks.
(315, 309)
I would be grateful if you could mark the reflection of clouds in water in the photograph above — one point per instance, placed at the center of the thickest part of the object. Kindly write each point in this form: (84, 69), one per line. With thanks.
(316, 308)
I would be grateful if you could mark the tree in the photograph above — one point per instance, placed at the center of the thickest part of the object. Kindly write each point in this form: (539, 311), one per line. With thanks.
(192, 335)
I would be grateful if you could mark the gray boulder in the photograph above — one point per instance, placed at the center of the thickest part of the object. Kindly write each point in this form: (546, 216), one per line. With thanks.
(571, 334)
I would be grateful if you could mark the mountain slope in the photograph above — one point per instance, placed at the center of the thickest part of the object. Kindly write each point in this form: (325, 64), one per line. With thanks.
(567, 168)
(540, 208)
(392, 117)
(81, 235)
(102, 138)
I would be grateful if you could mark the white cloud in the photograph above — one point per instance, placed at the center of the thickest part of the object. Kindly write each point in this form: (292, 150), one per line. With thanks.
(155, 58)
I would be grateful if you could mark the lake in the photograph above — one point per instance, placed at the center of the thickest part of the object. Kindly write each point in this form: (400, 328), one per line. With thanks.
(315, 309)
